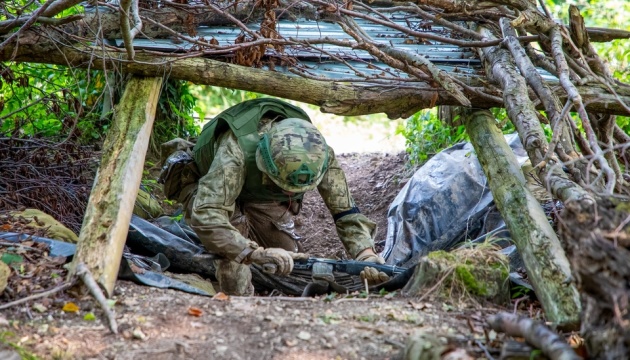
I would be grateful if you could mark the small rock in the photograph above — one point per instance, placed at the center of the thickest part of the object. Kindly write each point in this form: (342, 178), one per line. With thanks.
(221, 349)
(303, 335)
(39, 307)
(290, 343)
(138, 334)
(129, 302)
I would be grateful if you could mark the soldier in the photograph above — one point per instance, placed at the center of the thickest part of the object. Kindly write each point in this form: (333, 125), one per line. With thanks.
(256, 161)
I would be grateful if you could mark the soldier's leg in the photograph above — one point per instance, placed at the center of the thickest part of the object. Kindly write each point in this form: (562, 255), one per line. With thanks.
(235, 278)
(271, 225)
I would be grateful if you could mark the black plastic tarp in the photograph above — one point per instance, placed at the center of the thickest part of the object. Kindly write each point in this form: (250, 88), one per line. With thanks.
(446, 202)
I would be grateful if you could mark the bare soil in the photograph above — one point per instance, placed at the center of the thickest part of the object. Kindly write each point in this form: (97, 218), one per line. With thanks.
(167, 324)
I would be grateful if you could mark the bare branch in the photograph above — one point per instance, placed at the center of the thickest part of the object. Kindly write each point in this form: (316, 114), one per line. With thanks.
(129, 8)
(573, 94)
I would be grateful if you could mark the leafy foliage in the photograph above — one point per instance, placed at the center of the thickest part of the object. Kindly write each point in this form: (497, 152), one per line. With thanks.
(426, 135)
(174, 116)
(41, 100)
(56, 102)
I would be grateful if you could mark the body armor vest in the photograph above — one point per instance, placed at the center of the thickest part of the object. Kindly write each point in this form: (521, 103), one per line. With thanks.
(243, 120)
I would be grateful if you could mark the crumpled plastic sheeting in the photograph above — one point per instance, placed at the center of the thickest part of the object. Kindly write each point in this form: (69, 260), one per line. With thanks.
(176, 241)
(445, 202)
(56, 247)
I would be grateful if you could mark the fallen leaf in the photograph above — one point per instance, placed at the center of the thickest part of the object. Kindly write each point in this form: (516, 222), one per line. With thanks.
(89, 316)
(193, 311)
(70, 307)
(221, 296)
(6, 227)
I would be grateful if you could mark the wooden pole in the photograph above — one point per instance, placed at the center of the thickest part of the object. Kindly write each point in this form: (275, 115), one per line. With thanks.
(106, 222)
(547, 266)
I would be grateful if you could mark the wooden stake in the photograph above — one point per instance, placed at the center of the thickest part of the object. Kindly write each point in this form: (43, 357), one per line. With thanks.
(547, 266)
(110, 207)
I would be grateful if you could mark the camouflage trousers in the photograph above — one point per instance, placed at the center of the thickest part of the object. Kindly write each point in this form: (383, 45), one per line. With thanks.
(270, 225)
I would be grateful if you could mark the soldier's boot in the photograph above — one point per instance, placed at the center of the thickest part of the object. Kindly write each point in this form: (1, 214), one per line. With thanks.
(234, 278)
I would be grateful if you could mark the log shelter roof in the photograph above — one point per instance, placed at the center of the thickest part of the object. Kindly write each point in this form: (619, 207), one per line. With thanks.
(324, 60)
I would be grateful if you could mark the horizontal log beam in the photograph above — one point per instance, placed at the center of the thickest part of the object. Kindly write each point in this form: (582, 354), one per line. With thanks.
(397, 99)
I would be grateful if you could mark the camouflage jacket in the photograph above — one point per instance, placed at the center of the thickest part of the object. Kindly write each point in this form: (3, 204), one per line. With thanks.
(218, 190)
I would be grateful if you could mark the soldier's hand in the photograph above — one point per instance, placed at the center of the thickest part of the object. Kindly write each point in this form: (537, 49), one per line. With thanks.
(273, 260)
(373, 276)
(368, 255)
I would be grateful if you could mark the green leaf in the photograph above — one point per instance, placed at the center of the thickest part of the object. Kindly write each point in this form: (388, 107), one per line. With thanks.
(11, 258)
(89, 316)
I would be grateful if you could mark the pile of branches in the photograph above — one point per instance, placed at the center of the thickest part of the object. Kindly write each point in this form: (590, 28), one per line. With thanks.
(55, 178)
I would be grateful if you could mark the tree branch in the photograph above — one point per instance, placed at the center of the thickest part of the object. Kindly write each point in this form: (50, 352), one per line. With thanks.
(536, 334)
(129, 8)
(573, 94)
(27, 24)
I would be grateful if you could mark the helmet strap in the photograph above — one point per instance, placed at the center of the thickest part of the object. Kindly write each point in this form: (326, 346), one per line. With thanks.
(263, 145)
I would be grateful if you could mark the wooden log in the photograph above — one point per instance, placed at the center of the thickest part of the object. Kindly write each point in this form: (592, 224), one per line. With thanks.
(397, 99)
(111, 203)
(547, 266)
(535, 333)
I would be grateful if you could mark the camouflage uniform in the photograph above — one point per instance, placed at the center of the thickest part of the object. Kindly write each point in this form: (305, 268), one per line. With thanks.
(234, 231)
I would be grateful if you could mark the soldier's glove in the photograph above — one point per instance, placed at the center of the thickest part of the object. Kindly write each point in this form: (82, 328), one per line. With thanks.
(372, 275)
(273, 260)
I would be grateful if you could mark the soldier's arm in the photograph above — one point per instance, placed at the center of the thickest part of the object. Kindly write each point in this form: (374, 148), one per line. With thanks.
(215, 201)
(355, 230)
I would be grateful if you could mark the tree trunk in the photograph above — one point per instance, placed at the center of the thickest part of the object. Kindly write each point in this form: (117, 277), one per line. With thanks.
(547, 267)
(111, 203)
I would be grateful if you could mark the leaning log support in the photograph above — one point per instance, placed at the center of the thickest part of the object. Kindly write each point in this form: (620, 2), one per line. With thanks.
(110, 206)
(545, 260)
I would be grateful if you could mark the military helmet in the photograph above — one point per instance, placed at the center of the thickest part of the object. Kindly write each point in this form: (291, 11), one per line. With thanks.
(294, 154)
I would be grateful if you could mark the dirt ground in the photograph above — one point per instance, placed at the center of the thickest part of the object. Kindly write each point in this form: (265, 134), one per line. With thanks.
(167, 324)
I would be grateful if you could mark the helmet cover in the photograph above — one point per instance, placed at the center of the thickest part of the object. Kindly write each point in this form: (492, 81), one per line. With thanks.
(294, 154)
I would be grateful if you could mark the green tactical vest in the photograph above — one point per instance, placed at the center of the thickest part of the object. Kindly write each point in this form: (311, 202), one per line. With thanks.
(243, 120)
